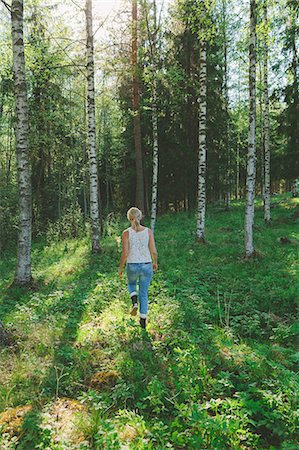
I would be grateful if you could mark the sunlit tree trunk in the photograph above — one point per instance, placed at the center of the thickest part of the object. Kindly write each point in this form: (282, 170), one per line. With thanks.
(153, 47)
(267, 215)
(23, 272)
(201, 208)
(136, 113)
(94, 200)
(251, 159)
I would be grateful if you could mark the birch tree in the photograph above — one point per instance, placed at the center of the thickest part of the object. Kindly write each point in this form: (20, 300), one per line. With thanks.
(152, 37)
(251, 156)
(93, 167)
(23, 272)
(202, 133)
(267, 215)
(205, 31)
(136, 112)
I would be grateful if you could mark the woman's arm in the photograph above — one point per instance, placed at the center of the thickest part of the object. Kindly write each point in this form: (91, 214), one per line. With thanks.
(153, 250)
(125, 251)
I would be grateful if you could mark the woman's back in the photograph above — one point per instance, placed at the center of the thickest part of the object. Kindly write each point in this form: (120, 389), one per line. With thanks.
(138, 246)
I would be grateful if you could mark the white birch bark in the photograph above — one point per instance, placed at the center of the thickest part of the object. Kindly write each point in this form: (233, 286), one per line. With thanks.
(153, 45)
(23, 272)
(267, 214)
(201, 208)
(93, 168)
(155, 153)
(251, 158)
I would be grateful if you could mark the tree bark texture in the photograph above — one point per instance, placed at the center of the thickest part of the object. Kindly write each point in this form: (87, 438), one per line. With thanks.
(23, 272)
(136, 113)
(155, 153)
(251, 158)
(153, 44)
(93, 167)
(267, 215)
(201, 207)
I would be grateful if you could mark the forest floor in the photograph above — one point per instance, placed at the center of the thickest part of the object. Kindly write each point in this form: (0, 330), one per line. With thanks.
(216, 369)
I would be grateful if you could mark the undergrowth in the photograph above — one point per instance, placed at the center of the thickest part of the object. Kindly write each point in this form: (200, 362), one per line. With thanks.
(216, 369)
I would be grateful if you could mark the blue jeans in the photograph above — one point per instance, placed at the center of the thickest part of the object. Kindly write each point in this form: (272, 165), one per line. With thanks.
(141, 273)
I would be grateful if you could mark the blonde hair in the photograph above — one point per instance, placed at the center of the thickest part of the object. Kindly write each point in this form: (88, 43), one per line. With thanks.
(135, 214)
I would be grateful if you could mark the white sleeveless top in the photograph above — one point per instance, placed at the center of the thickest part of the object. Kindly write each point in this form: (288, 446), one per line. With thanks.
(138, 246)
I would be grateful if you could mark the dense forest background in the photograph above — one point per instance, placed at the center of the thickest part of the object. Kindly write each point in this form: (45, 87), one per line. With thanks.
(56, 79)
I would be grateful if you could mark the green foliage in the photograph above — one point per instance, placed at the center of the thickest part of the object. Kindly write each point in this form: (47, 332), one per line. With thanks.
(69, 225)
(204, 376)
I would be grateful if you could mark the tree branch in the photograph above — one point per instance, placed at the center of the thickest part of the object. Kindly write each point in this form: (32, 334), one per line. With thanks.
(7, 6)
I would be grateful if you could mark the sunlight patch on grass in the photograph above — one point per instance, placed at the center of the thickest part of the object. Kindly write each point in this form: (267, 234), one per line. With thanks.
(62, 418)
(72, 261)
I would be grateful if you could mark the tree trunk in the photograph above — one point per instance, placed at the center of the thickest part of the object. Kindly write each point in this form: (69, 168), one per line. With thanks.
(153, 42)
(155, 155)
(23, 272)
(94, 200)
(200, 228)
(267, 215)
(227, 140)
(136, 113)
(262, 135)
(251, 166)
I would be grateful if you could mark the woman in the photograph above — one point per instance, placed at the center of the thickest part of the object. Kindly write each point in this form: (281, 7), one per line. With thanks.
(139, 251)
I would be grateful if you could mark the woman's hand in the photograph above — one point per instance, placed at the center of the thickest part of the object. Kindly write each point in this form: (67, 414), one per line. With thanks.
(155, 266)
(120, 273)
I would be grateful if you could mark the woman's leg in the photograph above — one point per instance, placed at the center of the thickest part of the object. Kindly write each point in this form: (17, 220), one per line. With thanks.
(132, 275)
(144, 282)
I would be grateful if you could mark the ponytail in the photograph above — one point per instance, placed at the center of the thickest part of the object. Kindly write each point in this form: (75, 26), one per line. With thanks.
(135, 214)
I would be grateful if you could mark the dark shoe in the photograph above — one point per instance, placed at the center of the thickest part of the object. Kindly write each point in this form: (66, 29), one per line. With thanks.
(142, 323)
(134, 305)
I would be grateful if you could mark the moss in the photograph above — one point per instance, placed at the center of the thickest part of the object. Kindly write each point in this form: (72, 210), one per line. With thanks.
(12, 419)
(104, 379)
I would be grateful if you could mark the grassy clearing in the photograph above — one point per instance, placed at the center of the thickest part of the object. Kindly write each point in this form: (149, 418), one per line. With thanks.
(217, 368)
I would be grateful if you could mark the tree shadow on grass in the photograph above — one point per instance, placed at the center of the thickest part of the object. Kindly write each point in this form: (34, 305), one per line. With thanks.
(64, 376)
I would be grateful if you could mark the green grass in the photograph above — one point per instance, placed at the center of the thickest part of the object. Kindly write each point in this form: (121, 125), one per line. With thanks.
(216, 370)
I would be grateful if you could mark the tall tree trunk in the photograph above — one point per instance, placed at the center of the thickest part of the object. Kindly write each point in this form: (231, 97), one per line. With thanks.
(201, 208)
(136, 113)
(267, 215)
(84, 160)
(251, 163)
(23, 272)
(153, 46)
(93, 167)
(262, 133)
(155, 153)
(227, 141)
